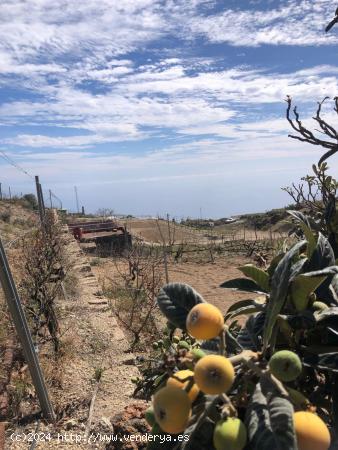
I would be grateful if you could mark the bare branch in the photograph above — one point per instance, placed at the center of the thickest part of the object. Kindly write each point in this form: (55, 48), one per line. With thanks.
(306, 135)
(333, 22)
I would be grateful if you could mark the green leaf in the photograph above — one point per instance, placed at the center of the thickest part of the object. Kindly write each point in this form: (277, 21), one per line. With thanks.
(274, 263)
(251, 335)
(304, 224)
(301, 288)
(334, 287)
(310, 237)
(321, 349)
(330, 210)
(257, 303)
(269, 419)
(257, 275)
(301, 321)
(328, 314)
(298, 267)
(232, 345)
(331, 270)
(326, 361)
(242, 284)
(250, 309)
(202, 438)
(200, 429)
(240, 304)
(299, 216)
(279, 290)
(326, 331)
(322, 256)
(175, 300)
(211, 345)
(328, 290)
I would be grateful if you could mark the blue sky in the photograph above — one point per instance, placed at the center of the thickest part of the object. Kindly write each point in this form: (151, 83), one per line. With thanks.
(162, 106)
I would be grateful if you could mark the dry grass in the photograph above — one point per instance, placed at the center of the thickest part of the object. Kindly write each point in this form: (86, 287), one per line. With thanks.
(14, 220)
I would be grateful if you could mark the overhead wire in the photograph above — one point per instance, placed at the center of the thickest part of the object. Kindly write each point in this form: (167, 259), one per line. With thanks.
(14, 164)
(4, 156)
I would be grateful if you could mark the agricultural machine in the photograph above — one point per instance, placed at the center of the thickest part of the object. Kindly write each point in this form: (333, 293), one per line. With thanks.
(108, 236)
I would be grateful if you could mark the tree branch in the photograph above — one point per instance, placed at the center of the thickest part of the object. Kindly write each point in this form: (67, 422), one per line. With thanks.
(306, 135)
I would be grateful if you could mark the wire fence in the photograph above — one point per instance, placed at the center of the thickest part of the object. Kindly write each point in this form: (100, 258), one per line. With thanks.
(7, 192)
(36, 204)
(188, 235)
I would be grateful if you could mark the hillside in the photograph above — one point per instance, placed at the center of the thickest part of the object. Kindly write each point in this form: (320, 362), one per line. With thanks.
(16, 217)
(275, 220)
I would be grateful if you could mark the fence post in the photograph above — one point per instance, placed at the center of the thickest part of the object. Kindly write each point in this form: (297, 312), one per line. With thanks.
(42, 200)
(10, 193)
(38, 193)
(125, 236)
(165, 261)
(21, 326)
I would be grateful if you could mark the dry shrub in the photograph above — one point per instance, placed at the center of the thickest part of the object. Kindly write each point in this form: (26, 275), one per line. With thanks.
(134, 292)
(43, 272)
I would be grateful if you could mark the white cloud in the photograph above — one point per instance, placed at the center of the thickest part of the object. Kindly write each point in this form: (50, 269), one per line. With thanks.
(165, 97)
(51, 28)
(117, 134)
(55, 48)
(292, 23)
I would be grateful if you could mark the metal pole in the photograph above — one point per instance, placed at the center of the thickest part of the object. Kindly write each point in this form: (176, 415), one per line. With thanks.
(39, 199)
(21, 326)
(50, 198)
(0, 192)
(77, 200)
(9, 191)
